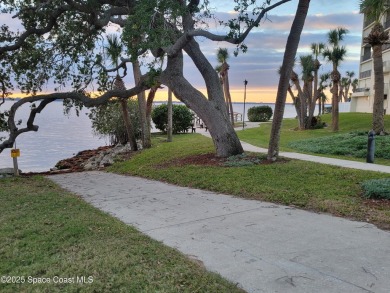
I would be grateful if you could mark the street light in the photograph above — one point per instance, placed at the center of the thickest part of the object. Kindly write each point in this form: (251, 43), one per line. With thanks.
(243, 114)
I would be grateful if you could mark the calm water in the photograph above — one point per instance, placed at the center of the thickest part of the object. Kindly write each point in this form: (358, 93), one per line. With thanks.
(58, 137)
(62, 136)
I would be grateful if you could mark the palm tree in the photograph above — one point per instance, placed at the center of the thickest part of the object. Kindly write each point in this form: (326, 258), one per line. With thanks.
(316, 49)
(335, 53)
(320, 93)
(284, 81)
(350, 75)
(354, 84)
(307, 64)
(223, 70)
(299, 99)
(375, 9)
(295, 99)
(113, 51)
(343, 90)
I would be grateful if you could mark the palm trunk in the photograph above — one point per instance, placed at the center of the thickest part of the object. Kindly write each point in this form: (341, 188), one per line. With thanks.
(314, 96)
(170, 114)
(335, 99)
(296, 102)
(319, 103)
(227, 94)
(301, 97)
(288, 62)
(378, 123)
(304, 104)
(346, 91)
(145, 128)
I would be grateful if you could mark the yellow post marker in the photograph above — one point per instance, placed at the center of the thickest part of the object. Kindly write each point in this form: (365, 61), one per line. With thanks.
(15, 153)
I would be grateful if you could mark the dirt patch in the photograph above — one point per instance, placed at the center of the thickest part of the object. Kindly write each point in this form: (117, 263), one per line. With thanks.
(380, 204)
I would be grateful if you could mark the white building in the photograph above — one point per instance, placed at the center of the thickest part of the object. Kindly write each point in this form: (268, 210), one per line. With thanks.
(363, 98)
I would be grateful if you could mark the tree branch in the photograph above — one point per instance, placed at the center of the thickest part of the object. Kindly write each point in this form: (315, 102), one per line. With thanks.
(186, 37)
(46, 99)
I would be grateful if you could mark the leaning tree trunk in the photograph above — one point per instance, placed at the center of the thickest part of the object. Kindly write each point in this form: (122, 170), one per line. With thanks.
(288, 62)
(335, 75)
(210, 109)
(301, 120)
(378, 123)
(145, 128)
(149, 104)
(119, 85)
(296, 102)
(226, 89)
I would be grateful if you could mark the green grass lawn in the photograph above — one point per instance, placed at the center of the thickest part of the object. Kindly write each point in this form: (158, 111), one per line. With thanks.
(349, 122)
(50, 234)
(307, 185)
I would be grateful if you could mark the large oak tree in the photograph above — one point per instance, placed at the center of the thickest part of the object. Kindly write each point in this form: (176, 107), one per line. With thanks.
(59, 42)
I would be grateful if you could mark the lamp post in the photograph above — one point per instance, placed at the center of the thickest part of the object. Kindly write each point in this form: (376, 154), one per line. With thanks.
(243, 114)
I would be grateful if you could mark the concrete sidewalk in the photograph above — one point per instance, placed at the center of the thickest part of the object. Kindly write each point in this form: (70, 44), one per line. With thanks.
(304, 157)
(261, 246)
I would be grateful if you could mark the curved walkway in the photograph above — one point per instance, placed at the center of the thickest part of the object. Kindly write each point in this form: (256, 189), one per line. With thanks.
(317, 159)
(262, 247)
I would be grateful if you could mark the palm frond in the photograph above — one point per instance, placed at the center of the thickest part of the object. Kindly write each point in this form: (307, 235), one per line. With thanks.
(317, 48)
(222, 55)
(374, 9)
(114, 48)
(336, 35)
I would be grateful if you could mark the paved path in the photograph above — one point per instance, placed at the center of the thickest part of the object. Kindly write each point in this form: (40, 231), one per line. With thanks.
(311, 158)
(261, 246)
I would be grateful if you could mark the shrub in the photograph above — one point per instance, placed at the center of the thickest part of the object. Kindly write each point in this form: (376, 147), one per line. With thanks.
(260, 113)
(107, 120)
(352, 144)
(377, 188)
(182, 118)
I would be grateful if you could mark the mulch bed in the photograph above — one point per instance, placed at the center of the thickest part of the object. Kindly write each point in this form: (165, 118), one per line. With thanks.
(211, 159)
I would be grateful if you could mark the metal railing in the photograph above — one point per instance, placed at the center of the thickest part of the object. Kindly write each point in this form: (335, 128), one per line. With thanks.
(365, 57)
(362, 89)
(365, 74)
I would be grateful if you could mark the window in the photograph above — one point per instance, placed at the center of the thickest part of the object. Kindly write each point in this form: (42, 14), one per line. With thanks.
(365, 74)
(366, 53)
(367, 21)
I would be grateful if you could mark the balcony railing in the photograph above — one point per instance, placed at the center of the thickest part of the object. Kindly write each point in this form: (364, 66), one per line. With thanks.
(365, 74)
(365, 57)
(362, 89)
(367, 22)
(385, 46)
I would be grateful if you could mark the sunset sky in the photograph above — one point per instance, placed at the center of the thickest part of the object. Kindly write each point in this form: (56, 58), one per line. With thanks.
(266, 46)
